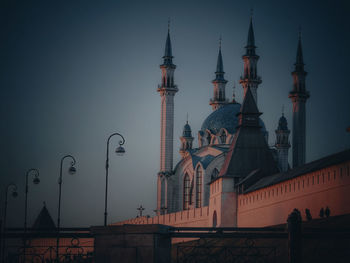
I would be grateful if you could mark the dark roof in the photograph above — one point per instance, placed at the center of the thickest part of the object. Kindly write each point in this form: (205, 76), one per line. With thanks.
(304, 169)
(249, 150)
(44, 220)
(205, 160)
(249, 106)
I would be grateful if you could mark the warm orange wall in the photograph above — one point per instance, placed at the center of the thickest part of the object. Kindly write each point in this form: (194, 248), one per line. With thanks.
(272, 205)
(188, 218)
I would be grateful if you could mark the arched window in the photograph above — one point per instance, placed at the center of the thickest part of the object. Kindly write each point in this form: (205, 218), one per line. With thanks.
(214, 174)
(199, 178)
(162, 193)
(208, 138)
(186, 193)
(223, 137)
(215, 219)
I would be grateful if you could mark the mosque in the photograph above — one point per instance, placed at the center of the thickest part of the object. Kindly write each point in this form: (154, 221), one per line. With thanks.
(233, 178)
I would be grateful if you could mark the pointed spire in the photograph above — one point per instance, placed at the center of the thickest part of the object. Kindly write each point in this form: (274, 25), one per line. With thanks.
(299, 64)
(168, 52)
(251, 40)
(219, 65)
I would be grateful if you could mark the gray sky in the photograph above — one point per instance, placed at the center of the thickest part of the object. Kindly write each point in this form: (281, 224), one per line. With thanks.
(73, 72)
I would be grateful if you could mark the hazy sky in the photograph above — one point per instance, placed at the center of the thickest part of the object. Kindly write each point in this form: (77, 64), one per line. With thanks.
(73, 72)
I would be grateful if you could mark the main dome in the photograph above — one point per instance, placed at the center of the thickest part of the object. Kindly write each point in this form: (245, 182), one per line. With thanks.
(225, 117)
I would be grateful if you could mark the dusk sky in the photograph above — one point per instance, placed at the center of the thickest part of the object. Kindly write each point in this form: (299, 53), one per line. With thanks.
(73, 72)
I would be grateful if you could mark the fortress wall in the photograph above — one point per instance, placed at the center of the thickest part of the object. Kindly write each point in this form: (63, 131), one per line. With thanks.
(189, 218)
(271, 205)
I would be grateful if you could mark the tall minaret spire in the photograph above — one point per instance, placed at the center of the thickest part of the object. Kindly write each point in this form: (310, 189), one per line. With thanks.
(299, 95)
(250, 77)
(167, 90)
(219, 83)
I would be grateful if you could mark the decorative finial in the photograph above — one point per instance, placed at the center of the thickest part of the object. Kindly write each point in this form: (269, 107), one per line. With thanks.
(299, 32)
(282, 109)
(44, 204)
(251, 12)
(220, 40)
(187, 118)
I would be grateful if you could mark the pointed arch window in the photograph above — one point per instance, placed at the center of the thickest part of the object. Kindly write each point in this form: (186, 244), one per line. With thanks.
(162, 193)
(208, 138)
(215, 219)
(223, 137)
(186, 192)
(199, 179)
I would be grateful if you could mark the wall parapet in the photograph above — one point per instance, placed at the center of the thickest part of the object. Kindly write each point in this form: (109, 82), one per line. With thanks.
(192, 217)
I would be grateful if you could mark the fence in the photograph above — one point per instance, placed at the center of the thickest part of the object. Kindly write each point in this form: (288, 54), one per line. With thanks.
(158, 243)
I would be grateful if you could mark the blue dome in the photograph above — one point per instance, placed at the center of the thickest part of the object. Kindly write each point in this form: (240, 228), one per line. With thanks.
(224, 117)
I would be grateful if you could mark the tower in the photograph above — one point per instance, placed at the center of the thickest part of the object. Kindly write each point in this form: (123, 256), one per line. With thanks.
(299, 95)
(186, 139)
(167, 90)
(282, 143)
(219, 84)
(250, 77)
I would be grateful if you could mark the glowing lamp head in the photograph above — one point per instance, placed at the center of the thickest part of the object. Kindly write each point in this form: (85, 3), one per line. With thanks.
(120, 151)
(72, 170)
(14, 194)
(36, 180)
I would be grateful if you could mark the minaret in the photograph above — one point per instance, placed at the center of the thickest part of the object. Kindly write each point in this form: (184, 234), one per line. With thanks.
(219, 84)
(299, 95)
(186, 139)
(282, 143)
(250, 77)
(167, 91)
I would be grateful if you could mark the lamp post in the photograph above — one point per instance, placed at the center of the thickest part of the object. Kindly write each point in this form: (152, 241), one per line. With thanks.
(36, 180)
(72, 170)
(119, 151)
(14, 194)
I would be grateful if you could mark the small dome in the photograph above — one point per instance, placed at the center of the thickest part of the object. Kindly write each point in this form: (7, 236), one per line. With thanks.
(282, 124)
(225, 117)
(187, 131)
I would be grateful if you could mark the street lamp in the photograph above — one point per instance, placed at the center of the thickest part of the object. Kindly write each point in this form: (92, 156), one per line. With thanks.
(119, 151)
(72, 170)
(14, 194)
(36, 180)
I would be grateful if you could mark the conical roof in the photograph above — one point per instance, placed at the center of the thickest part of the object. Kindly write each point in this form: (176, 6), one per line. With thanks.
(250, 47)
(168, 56)
(44, 220)
(168, 51)
(249, 150)
(299, 63)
